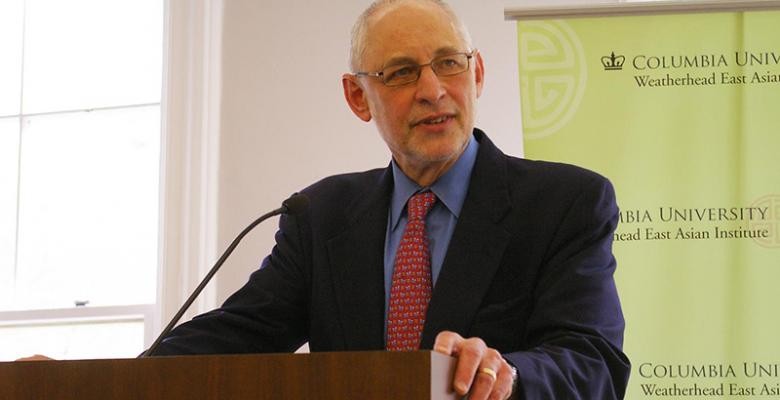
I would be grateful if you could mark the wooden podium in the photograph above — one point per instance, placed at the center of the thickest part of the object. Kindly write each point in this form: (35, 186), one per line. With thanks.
(342, 375)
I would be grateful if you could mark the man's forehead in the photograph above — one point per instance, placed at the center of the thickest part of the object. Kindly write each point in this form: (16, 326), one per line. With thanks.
(400, 58)
(411, 32)
(411, 17)
(405, 8)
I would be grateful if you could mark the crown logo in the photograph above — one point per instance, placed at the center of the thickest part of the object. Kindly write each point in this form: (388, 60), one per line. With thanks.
(613, 62)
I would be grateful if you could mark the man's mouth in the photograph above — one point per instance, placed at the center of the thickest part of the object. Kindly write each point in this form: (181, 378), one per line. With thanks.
(434, 120)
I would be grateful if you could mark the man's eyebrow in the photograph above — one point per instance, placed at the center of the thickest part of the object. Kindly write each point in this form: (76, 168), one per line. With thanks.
(445, 51)
(403, 60)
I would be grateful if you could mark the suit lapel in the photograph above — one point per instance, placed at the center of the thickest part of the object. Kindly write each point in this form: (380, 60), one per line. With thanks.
(475, 250)
(356, 258)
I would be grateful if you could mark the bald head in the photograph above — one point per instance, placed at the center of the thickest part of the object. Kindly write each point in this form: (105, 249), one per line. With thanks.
(361, 30)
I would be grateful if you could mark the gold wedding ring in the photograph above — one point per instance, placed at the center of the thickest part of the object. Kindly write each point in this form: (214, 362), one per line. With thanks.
(488, 371)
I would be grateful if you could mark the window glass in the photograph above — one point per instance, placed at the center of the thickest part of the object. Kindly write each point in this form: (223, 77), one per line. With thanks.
(9, 161)
(91, 53)
(88, 209)
(11, 12)
(73, 340)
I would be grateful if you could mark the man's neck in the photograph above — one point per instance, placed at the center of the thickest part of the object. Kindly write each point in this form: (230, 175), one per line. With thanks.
(426, 176)
(425, 173)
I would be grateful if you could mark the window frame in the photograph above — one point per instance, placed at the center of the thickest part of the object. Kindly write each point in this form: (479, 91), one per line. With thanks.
(189, 158)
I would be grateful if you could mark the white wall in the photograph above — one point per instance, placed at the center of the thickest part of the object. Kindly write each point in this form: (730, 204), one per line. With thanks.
(284, 121)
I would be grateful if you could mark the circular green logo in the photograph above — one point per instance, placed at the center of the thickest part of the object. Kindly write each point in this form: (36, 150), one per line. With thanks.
(553, 74)
(771, 223)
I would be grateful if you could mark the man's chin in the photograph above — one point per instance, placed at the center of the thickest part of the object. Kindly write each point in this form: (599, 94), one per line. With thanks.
(439, 155)
(446, 148)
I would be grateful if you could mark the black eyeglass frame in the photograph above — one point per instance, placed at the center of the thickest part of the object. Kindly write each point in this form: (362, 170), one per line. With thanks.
(418, 68)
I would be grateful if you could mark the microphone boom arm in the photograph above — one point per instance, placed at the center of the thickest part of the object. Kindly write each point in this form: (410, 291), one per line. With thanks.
(293, 205)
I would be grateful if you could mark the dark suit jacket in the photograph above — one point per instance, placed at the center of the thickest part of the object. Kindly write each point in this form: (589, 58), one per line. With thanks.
(529, 270)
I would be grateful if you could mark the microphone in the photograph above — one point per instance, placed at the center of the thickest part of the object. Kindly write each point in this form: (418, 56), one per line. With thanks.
(295, 204)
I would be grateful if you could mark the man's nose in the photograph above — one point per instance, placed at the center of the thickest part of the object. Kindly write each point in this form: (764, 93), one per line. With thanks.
(429, 87)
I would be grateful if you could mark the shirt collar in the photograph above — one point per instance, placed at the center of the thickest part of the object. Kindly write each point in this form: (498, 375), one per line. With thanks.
(450, 188)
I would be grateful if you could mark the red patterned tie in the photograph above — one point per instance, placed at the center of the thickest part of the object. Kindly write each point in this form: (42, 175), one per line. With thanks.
(410, 290)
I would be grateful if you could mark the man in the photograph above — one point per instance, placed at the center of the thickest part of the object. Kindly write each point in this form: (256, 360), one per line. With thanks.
(517, 271)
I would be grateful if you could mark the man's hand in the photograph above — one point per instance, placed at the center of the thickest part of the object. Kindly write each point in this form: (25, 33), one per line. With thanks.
(480, 371)
(36, 357)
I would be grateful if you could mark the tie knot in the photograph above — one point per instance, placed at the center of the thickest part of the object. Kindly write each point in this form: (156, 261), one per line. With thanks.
(420, 204)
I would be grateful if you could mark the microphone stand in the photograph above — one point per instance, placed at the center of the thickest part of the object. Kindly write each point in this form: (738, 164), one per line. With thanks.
(293, 205)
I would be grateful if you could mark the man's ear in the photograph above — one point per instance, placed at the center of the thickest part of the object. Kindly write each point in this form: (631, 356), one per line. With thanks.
(479, 72)
(356, 97)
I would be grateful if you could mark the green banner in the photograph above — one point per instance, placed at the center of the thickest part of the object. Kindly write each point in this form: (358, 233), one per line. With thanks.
(682, 113)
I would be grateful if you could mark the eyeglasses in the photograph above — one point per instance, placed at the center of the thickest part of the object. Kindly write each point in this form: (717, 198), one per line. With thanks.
(397, 75)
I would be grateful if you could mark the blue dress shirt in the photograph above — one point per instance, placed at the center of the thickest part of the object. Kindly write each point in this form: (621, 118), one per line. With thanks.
(450, 190)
